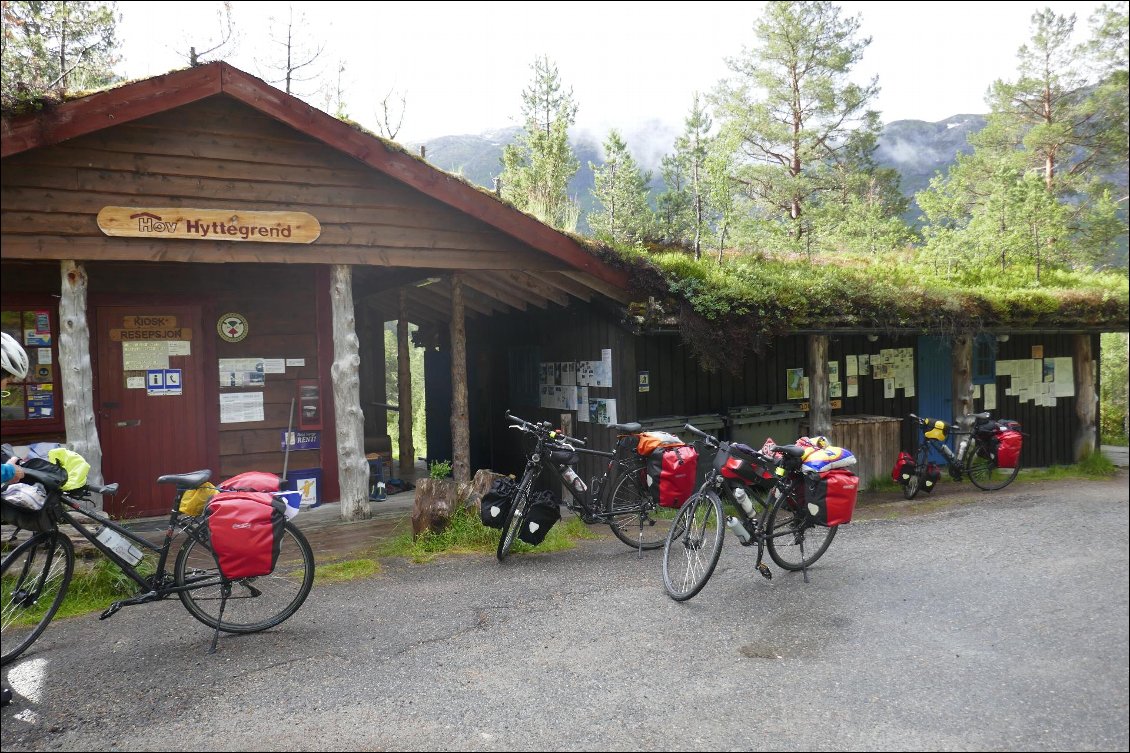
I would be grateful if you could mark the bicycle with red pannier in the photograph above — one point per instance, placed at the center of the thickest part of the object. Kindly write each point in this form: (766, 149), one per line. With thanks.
(787, 499)
(647, 477)
(988, 454)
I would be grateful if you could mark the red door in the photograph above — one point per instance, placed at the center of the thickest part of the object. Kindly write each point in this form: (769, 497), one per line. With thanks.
(150, 399)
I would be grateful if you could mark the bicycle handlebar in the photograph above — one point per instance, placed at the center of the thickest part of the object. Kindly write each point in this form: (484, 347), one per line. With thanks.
(543, 429)
(710, 439)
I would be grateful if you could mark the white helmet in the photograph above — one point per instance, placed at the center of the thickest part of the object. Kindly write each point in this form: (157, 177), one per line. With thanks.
(14, 360)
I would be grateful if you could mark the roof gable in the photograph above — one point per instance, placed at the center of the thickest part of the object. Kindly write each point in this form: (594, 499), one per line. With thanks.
(162, 93)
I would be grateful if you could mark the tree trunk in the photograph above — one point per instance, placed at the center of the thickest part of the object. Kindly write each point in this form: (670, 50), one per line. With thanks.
(1086, 397)
(460, 431)
(76, 370)
(345, 372)
(820, 409)
(404, 388)
(962, 373)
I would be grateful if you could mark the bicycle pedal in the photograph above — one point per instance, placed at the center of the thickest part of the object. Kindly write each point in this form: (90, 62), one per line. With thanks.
(765, 571)
(111, 610)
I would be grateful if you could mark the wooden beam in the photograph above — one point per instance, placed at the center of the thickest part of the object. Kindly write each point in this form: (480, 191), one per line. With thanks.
(404, 388)
(604, 288)
(94, 248)
(535, 286)
(349, 419)
(1086, 397)
(488, 287)
(460, 422)
(820, 407)
(962, 376)
(561, 282)
(76, 370)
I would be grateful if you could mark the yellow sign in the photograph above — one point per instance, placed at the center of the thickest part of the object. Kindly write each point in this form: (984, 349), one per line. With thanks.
(209, 224)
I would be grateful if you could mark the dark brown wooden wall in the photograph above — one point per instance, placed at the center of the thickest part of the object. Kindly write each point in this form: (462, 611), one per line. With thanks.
(219, 153)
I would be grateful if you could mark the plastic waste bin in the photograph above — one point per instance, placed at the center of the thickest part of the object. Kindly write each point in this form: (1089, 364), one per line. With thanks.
(753, 424)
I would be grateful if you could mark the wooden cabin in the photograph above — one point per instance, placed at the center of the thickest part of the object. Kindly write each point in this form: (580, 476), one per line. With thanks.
(198, 263)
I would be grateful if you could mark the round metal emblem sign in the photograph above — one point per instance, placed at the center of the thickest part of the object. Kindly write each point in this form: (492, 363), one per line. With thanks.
(232, 327)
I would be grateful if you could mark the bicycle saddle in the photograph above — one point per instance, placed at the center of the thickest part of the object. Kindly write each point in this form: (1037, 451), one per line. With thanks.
(186, 480)
(791, 450)
(632, 428)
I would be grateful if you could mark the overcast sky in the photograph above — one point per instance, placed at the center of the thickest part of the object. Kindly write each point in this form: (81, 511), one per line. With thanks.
(463, 65)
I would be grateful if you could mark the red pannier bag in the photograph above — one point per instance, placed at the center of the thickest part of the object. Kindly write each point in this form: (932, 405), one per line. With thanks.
(246, 531)
(829, 496)
(252, 481)
(671, 474)
(1008, 448)
(904, 468)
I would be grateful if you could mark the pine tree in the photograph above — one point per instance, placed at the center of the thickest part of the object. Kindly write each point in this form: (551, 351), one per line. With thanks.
(684, 207)
(56, 48)
(791, 108)
(537, 168)
(621, 191)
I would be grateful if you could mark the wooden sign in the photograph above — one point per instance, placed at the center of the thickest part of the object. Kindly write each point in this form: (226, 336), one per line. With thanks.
(209, 224)
(150, 333)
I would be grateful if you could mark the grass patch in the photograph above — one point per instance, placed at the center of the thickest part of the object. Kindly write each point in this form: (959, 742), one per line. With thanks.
(347, 570)
(94, 586)
(881, 484)
(1093, 466)
(467, 535)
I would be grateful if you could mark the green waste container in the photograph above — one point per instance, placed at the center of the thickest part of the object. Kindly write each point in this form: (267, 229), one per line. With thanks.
(711, 423)
(753, 424)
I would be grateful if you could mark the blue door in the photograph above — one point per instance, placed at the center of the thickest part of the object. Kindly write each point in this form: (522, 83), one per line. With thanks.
(935, 384)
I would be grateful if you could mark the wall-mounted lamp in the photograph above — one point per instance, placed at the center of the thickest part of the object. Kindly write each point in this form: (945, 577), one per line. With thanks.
(1002, 338)
(872, 338)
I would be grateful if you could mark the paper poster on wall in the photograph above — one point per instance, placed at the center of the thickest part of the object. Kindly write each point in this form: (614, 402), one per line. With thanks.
(1064, 377)
(833, 371)
(835, 389)
(180, 347)
(888, 388)
(602, 410)
(274, 365)
(583, 404)
(144, 355)
(851, 365)
(865, 364)
(794, 384)
(853, 386)
(241, 372)
(991, 396)
(569, 373)
(240, 407)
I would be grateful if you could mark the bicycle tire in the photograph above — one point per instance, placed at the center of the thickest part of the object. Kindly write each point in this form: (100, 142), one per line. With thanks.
(693, 546)
(791, 532)
(35, 577)
(913, 485)
(514, 520)
(982, 469)
(634, 516)
(255, 604)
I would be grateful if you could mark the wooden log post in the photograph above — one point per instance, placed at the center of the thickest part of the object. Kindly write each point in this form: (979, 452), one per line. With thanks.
(76, 370)
(961, 366)
(404, 388)
(460, 429)
(819, 404)
(1086, 397)
(345, 372)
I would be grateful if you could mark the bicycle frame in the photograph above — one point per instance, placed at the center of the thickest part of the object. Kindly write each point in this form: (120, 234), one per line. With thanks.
(157, 584)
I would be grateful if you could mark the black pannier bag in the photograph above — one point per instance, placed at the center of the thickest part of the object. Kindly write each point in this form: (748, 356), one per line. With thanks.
(496, 503)
(543, 512)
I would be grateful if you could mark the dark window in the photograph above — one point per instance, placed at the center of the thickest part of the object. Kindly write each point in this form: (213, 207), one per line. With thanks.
(985, 359)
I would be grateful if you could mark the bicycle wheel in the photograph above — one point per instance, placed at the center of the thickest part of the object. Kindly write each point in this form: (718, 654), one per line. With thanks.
(635, 517)
(514, 520)
(981, 467)
(794, 541)
(693, 545)
(254, 604)
(912, 485)
(35, 576)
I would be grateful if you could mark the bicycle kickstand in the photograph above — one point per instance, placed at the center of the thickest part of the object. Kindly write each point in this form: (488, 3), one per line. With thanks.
(225, 592)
